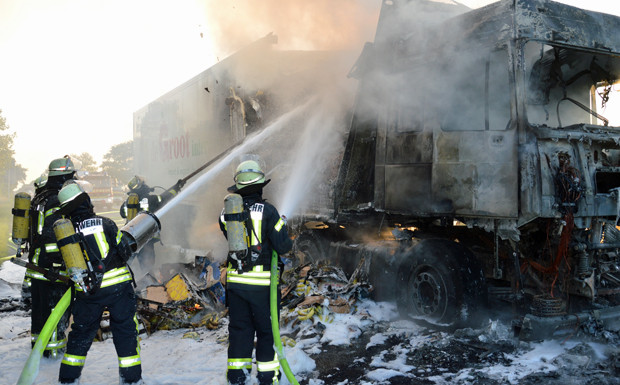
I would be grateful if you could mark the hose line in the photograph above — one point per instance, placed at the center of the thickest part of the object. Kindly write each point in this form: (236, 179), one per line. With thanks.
(275, 319)
(31, 369)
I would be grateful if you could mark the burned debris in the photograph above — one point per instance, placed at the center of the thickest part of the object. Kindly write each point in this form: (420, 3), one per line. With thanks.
(191, 295)
(182, 295)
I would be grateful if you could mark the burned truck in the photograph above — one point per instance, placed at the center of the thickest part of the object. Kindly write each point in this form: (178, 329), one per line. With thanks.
(479, 157)
(482, 148)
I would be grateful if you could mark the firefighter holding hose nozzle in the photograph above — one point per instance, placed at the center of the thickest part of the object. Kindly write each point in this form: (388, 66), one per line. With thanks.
(96, 253)
(141, 198)
(253, 229)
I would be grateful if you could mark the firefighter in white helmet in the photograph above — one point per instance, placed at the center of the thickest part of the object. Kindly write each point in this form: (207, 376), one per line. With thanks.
(247, 288)
(108, 252)
(43, 252)
(39, 184)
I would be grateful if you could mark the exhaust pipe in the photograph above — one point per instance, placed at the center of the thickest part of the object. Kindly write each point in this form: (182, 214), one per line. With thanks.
(141, 229)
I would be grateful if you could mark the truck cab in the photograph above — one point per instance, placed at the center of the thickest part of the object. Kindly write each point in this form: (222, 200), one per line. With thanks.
(487, 140)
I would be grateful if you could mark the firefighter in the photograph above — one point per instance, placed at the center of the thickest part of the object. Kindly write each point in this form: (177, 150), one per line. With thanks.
(43, 252)
(147, 202)
(247, 291)
(39, 185)
(107, 249)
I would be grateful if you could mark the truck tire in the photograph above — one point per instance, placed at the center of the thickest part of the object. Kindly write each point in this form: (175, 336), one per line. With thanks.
(308, 248)
(440, 284)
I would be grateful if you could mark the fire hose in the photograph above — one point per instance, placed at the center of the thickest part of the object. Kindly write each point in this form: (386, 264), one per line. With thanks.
(275, 319)
(31, 369)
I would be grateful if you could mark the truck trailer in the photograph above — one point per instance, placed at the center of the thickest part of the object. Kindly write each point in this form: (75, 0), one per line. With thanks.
(479, 162)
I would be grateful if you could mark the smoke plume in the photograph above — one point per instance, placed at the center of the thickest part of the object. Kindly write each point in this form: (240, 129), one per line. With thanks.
(299, 24)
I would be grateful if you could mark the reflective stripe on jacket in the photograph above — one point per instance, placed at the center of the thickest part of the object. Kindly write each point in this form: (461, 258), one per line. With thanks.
(96, 242)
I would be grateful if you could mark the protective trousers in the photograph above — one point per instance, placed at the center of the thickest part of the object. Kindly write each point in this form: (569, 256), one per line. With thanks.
(45, 295)
(248, 317)
(120, 301)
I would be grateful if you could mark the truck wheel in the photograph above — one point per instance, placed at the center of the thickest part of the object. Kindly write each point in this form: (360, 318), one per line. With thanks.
(308, 248)
(439, 281)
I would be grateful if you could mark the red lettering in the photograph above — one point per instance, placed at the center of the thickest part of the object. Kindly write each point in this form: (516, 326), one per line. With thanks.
(174, 148)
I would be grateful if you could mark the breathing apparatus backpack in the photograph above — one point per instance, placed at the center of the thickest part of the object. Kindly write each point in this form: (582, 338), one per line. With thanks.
(133, 206)
(84, 267)
(21, 220)
(241, 253)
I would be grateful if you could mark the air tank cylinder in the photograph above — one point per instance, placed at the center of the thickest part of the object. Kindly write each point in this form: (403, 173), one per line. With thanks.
(71, 251)
(236, 231)
(133, 206)
(141, 229)
(21, 218)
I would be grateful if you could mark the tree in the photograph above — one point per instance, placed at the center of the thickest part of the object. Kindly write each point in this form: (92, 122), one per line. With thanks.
(87, 162)
(118, 161)
(6, 145)
(11, 173)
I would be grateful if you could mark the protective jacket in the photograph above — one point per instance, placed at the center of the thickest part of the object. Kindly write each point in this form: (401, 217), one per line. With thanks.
(247, 295)
(104, 244)
(44, 252)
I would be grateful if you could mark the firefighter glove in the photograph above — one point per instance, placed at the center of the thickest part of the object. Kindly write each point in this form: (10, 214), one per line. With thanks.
(179, 185)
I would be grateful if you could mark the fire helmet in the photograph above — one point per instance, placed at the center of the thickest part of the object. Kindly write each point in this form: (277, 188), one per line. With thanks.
(248, 173)
(40, 182)
(61, 166)
(135, 183)
(70, 192)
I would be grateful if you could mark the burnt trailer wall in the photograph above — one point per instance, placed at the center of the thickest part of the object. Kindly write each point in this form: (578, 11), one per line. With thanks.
(272, 104)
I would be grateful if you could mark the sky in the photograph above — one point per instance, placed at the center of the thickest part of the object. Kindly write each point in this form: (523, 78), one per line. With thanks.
(74, 71)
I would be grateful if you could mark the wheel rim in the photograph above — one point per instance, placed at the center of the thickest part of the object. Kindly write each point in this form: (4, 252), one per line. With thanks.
(428, 293)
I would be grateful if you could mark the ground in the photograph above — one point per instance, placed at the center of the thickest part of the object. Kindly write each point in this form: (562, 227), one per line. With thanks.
(369, 345)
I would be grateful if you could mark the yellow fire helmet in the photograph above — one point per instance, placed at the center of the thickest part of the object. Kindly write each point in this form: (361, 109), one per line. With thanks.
(135, 183)
(248, 173)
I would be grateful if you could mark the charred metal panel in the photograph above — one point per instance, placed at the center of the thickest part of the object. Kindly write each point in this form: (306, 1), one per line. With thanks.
(356, 178)
(475, 170)
(538, 20)
(456, 183)
(408, 189)
(589, 155)
(529, 191)
(409, 148)
(552, 21)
